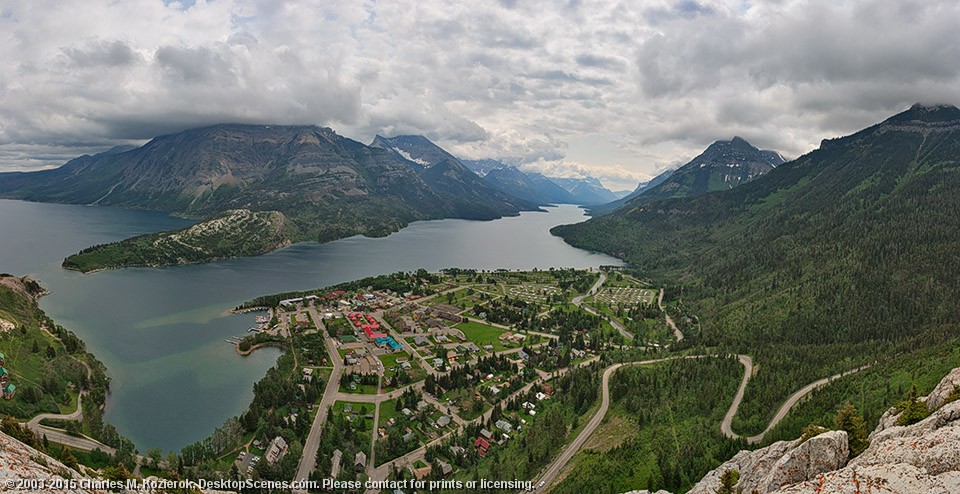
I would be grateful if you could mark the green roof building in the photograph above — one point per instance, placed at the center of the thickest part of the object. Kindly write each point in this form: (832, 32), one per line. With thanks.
(4, 376)
(2, 359)
(9, 390)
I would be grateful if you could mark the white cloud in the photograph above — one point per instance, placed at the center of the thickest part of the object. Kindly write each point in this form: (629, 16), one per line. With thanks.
(520, 81)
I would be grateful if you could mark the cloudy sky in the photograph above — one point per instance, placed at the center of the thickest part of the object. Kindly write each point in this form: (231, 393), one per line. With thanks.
(618, 90)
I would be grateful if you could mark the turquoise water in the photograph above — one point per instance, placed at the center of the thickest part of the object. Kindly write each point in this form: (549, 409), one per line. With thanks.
(161, 331)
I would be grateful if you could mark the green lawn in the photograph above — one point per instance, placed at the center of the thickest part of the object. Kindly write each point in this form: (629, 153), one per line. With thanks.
(483, 334)
(390, 360)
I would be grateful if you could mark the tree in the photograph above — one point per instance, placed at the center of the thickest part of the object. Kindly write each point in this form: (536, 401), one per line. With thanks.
(856, 427)
(912, 409)
(728, 483)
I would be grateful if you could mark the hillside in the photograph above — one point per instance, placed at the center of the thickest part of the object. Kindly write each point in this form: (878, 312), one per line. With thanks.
(50, 367)
(325, 185)
(233, 234)
(843, 256)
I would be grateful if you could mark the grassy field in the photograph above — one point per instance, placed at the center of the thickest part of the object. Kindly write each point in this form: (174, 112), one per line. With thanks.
(483, 334)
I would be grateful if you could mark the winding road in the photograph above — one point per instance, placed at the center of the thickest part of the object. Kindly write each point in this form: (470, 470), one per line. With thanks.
(60, 436)
(556, 467)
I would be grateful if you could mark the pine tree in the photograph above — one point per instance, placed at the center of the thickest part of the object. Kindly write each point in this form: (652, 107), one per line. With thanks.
(856, 427)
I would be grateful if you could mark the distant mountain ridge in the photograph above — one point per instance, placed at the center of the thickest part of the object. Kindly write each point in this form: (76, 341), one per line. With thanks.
(326, 186)
(446, 173)
(587, 190)
(722, 165)
(531, 186)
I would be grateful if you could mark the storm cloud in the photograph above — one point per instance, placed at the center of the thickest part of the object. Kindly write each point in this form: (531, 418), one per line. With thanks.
(620, 90)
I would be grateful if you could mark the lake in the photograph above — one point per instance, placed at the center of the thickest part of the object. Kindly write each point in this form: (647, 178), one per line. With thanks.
(161, 332)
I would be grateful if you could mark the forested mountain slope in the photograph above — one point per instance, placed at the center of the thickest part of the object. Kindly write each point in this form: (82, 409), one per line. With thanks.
(848, 254)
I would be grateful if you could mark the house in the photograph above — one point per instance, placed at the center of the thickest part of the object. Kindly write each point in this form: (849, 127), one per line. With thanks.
(438, 362)
(420, 473)
(308, 374)
(523, 355)
(335, 463)
(360, 461)
(278, 448)
(452, 356)
(457, 450)
(577, 353)
(548, 390)
(494, 390)
(540, 396)
(445, 468)
(488, 348)
(2, 359)
(504, 426)
(9, 390)
(486, 434)
(406, 412)
(420, 341)
(443, 421)
(421, 405)
(528, 405)
(4, 376)
(408, 436)
(482, 446)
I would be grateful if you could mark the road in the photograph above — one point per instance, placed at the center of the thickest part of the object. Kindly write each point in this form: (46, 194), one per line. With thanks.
(59, 435)
(676, 332)
(578, 301)
(552, 471)
(312, 444)
(784, 409)
(725, 426)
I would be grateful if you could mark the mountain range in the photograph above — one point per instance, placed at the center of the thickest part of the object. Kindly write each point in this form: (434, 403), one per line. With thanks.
(723, 165)
(324, 186)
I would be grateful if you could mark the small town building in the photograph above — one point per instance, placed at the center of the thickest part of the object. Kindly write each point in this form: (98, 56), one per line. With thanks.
(4, 376)
(504, 426)
(276, 450)
(445, 468)
(443, 421)
(360, 461)
(482, 446)
(9, 391)
(335, 463)
(3, 359)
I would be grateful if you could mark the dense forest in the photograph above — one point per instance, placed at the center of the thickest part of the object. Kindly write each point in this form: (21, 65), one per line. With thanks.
(845, 256)
(662, 430)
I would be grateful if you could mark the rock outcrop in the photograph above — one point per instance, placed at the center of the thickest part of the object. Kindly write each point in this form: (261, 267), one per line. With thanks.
(782, 463)
(23, 468)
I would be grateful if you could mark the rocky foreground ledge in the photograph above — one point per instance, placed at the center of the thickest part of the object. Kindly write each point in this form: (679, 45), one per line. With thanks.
(919, 458)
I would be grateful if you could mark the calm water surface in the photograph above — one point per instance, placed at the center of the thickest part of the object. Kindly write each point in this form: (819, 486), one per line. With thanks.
(161, 331)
